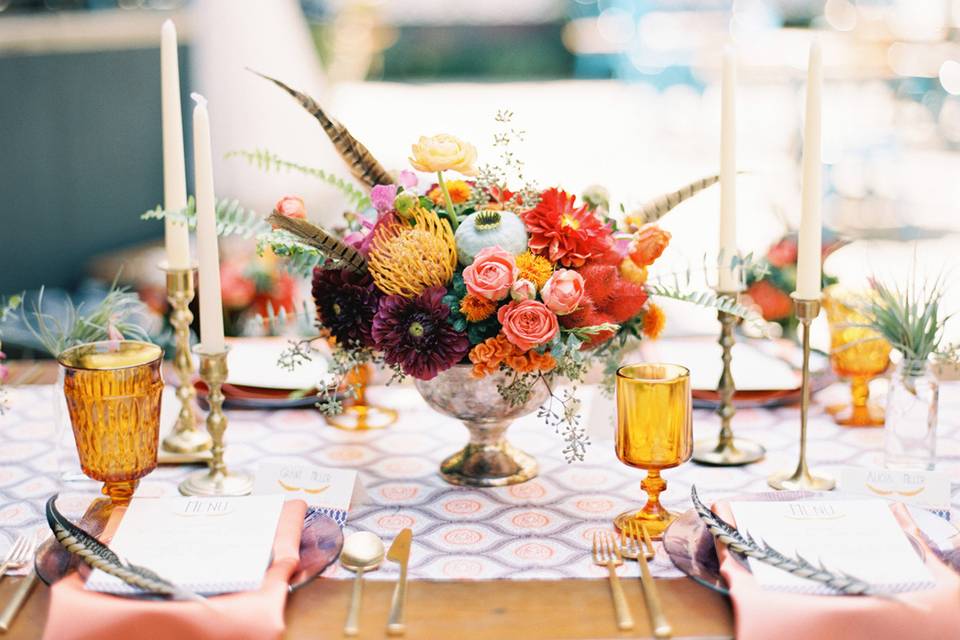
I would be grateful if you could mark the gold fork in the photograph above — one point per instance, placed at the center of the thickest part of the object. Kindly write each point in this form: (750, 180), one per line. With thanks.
(637, 546)
(607, 553)
(17, 556)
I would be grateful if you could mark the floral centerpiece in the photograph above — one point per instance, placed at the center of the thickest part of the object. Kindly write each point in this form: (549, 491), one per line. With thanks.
(485, 295)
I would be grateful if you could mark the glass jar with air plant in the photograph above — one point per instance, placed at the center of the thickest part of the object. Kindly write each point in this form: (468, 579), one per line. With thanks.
(910, 320)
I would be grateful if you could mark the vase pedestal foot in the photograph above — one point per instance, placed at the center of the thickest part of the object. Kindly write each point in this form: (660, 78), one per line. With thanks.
(489, 465)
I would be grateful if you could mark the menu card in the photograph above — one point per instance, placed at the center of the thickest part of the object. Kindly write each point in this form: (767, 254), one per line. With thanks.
(857, 537)
(205, 545)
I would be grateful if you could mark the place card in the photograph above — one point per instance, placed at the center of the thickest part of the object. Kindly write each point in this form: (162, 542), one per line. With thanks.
(927, 489)
(858, 537)
(328, 491)
(206, 545)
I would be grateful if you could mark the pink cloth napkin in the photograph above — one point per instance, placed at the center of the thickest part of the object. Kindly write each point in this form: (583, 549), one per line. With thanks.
(931, 614)
(77, 614)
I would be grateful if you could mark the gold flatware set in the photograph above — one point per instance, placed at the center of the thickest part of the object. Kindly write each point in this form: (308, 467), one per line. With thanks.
(362, 553)
(634, 544)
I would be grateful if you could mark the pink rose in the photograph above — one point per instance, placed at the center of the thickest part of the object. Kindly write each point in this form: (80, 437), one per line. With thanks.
(292, 207)
(491, 274)
(522, 290)
(563, 292)
(527, 324)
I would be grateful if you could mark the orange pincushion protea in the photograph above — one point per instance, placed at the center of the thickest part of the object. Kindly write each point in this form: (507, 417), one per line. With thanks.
(408, 257)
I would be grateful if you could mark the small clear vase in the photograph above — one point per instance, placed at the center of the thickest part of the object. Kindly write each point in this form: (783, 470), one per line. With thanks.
(910, 441)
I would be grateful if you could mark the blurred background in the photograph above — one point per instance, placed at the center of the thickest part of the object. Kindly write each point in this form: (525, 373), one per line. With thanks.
(622, 93)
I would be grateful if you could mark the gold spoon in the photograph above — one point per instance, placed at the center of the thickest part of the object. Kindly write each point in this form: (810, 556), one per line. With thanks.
(362, 551)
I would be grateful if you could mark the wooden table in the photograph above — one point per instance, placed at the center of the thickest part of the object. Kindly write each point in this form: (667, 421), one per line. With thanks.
(483, 610)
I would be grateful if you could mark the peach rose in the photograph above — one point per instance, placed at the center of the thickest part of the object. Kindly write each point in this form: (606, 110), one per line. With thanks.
(444, 152)
(491, 274)
(523, 290)
(292, 207)
(648, 244)
(563, 292)
(528, 324)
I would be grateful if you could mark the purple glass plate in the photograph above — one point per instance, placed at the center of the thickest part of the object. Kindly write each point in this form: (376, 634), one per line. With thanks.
(691, 549)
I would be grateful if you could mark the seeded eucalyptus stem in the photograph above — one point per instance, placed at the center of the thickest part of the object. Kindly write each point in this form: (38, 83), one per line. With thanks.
(451, 212)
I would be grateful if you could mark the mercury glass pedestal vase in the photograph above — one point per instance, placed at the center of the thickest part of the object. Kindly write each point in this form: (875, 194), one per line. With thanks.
(488, 460)
(910, 437)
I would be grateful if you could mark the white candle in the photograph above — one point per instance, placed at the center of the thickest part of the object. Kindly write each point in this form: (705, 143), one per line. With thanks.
(176, 236)
(208, 253)
(728, 175)
(808, 251)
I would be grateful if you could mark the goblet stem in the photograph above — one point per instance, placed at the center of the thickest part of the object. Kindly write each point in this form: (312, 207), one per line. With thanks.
(358, 415)
(119, 491)
(654, 485)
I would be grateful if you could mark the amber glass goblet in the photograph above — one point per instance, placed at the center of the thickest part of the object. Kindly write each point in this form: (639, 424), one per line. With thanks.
(654, 432)
(857, 353)
(113, 392)
(357, 415)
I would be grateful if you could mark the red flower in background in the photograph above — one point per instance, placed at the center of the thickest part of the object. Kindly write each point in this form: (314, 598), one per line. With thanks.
(564, 233)
(608, 297)
(292, 207)
(783, 253)
(281, 295)
(237, 290)
(774, 304)
(648, 245)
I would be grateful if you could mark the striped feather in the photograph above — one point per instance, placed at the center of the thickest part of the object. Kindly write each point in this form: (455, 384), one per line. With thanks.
(363, 165)
(659, 206)
(314, 236)
(100, 556)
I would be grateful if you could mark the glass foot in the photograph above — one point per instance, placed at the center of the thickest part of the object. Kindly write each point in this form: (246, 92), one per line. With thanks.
(363, 417)
(853, 416)
(655, 524)
(210, 483)
(734, 453)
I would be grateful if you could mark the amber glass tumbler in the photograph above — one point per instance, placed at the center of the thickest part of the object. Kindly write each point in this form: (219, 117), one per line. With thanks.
(113, 393)
(654, 432)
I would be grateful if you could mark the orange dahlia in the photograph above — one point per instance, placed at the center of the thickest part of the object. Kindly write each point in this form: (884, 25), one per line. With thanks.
(653, 321)
(564, 233)
(460, 192)
(475, 309)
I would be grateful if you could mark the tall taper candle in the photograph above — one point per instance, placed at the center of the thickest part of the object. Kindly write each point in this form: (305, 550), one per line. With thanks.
(177, 237)
(208, 253)
(808, 252)
(727, 280)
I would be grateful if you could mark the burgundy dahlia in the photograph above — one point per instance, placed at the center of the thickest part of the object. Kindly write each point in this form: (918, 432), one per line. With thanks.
(414, 333)
(346, 303)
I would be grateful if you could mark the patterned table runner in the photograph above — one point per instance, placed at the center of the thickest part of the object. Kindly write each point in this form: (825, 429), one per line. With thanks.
(538, 530)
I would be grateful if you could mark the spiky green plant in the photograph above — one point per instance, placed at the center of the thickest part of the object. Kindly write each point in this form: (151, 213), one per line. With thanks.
(908, 318)
(119, 309)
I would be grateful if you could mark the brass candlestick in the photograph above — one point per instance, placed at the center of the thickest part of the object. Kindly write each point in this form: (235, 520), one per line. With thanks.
(727, 451)
(185, 437)
(801, 478)
(216, 481)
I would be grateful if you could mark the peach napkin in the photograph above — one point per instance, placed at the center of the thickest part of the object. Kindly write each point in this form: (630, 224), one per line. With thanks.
(931, 614)
(77, 614)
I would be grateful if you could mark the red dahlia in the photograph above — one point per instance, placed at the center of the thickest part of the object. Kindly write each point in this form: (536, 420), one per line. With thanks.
(564, 233)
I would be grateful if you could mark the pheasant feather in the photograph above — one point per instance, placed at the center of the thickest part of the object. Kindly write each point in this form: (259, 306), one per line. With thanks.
(655, 209)
(100, 556)
(363, 165)
(798, 566)
(314, 236)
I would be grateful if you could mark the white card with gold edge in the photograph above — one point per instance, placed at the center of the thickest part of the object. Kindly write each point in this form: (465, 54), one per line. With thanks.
(860, 538)
(333, 491)
(205, 545)
(928, 489)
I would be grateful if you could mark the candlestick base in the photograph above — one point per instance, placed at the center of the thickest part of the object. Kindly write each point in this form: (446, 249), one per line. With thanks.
(214, 483)
(732, 453)
(187, 440)
(801, 480)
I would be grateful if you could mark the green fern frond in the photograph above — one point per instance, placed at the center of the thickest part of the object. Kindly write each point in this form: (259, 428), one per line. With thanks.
(707, 299)
(301, 258)
(232, 219)
(266, 160)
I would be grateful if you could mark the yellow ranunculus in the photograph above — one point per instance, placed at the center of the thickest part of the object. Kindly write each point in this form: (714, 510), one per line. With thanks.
(444, 152)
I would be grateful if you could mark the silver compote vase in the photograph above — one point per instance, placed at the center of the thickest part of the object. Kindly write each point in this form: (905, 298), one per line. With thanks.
(488, 460)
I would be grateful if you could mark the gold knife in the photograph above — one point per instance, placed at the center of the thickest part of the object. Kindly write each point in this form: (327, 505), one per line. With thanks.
(399, 552)
(16, 601)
